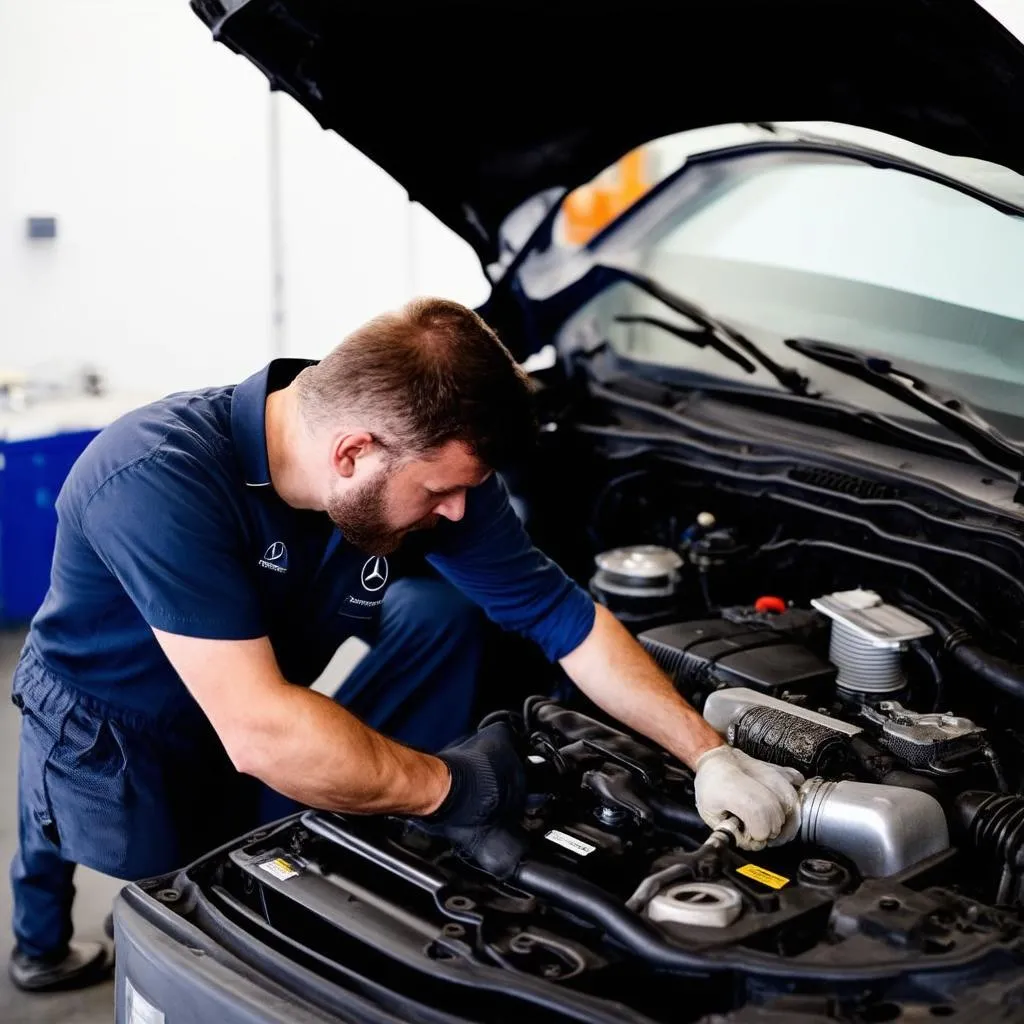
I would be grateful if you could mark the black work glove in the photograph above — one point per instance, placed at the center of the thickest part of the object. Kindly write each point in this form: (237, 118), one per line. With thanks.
(481, 813)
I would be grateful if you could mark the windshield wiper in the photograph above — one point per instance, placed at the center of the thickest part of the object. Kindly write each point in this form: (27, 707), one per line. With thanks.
(945, 408)
(700, 337)
(710, 333)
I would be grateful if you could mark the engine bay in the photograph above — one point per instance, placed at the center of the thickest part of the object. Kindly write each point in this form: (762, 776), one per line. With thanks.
(900, 899)
(864, 629)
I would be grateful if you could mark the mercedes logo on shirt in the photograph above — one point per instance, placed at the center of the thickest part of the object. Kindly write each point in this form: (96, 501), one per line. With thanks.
(374, 576)
(275, 557)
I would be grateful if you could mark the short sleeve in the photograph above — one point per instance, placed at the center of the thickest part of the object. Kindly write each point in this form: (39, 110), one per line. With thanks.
(163, 527)
(489, 556)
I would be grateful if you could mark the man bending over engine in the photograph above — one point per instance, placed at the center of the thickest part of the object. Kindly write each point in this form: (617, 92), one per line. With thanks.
(214, 548)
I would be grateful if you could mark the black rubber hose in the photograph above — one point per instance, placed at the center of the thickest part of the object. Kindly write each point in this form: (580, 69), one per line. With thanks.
(999, 673)
(676, 817)
(1004, 675)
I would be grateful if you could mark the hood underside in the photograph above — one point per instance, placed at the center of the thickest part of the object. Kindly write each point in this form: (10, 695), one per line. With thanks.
(474, 108)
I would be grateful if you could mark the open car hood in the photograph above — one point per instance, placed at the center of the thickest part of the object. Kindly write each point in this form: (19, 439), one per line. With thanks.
(474, 108)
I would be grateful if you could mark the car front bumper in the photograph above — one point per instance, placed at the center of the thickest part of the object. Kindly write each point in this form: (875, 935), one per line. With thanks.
(169, 972)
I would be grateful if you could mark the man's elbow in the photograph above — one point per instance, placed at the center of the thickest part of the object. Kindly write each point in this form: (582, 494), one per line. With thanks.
(245, 756)
(247, 749)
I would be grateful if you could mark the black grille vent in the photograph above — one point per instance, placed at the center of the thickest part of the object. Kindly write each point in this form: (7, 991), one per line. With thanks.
(844, 483)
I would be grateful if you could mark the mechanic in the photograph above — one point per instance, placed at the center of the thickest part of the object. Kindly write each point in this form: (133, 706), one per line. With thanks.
(197, 579)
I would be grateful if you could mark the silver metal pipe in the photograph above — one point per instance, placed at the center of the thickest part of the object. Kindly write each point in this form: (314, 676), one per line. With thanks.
(882, 829)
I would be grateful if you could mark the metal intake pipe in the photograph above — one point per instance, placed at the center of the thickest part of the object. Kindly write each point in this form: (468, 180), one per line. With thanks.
(882, 829)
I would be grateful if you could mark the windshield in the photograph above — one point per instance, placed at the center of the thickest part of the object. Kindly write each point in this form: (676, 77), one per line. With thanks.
(821, 246)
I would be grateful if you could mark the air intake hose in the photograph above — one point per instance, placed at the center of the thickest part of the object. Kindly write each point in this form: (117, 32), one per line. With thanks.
(993, 824)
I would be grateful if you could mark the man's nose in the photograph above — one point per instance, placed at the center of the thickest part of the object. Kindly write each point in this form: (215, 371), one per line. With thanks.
(453, 507)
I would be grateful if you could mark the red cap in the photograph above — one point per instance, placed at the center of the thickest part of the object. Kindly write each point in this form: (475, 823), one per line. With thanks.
(769, 604)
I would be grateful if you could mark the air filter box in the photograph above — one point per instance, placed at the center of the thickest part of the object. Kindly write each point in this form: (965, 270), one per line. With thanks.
(703, 656)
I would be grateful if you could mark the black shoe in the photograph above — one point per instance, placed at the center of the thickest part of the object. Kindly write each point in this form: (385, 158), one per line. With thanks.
(86, 963)
(108, 926)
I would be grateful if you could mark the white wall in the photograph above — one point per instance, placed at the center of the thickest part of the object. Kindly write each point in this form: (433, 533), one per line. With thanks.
(353, 245)
(150, 144)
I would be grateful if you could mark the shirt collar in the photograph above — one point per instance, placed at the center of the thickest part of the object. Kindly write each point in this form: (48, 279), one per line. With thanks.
(249, 412)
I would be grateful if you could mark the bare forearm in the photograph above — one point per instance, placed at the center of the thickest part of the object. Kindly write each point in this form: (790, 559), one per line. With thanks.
(618, 675)
(311, 749)
(297, 741)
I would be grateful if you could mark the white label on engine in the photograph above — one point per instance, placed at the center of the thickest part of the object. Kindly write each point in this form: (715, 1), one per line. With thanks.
(137, 1009)
(279, 868)
(577, 846)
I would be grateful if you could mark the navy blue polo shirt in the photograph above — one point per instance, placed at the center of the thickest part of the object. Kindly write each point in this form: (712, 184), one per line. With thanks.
(169, 520)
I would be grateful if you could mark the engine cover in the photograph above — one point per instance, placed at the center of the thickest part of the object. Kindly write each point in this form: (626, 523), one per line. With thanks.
(703, 656)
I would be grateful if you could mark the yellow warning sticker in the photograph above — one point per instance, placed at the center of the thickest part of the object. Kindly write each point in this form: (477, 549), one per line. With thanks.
(279, 868)
(763, 875)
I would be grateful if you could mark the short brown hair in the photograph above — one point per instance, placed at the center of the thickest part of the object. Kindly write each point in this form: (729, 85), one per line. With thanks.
(429, 373)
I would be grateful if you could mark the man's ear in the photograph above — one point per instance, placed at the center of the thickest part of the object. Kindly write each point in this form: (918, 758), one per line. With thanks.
(349, 448)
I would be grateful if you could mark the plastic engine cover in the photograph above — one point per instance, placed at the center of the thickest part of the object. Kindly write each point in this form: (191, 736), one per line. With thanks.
(706, 655)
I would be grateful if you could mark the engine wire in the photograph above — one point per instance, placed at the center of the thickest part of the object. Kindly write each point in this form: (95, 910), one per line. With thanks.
(933, 667)
(997, 769)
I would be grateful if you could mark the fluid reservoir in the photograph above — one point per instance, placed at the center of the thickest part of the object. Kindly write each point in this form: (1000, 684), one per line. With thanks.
(640, 584)
(706, 904)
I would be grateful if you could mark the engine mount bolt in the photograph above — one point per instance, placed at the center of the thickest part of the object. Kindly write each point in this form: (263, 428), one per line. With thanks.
(461, 903)
(453, 931)
(168, 895)
(889, 903)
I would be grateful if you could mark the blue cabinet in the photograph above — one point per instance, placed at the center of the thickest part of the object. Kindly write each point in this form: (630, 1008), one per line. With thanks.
(32, 472)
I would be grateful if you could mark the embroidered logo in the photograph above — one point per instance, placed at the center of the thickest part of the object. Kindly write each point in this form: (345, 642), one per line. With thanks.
(275, 557)
(374, 576)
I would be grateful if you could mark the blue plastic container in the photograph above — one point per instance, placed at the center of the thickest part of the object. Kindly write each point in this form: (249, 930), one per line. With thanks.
(32, 472)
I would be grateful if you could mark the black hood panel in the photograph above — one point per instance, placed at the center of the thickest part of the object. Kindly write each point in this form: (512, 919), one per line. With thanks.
(474, 107)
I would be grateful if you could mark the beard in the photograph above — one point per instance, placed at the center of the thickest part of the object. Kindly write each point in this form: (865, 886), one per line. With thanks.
(363, 519)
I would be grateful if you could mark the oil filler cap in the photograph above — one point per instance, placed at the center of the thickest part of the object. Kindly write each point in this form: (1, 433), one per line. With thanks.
(707, 904)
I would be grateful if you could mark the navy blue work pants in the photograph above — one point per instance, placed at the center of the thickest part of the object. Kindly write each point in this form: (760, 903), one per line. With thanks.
(132, 798)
